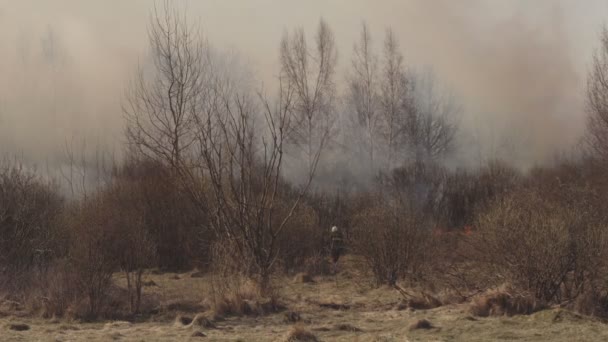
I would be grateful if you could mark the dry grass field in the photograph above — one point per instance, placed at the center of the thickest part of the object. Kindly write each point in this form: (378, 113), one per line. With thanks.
(341, 308)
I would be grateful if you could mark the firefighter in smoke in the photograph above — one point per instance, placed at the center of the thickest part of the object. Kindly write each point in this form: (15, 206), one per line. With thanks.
(336, 247)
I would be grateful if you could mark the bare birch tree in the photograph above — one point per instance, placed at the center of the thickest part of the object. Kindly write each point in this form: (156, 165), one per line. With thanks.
(309, 75)
(363, 94)
(240, 148)
(418, 121)
(597, 100)
(161, 103)
(431, 119)
(394, 96)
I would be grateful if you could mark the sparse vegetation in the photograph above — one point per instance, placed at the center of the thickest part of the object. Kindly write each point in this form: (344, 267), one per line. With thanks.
(220, 183)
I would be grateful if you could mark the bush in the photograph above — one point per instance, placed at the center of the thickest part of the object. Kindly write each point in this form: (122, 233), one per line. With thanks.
(393, 238)
(135, 249)
(303, 240)
(93, 252)
(542, 245)
(58, 290)
(171, 220)
(29, 230)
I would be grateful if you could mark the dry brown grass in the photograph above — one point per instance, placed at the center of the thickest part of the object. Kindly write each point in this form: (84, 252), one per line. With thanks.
(242, 297)
(418, 300)
(370, 317)
(300, 334)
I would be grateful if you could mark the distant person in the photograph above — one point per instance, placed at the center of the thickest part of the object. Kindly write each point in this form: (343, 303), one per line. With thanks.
(336, 247)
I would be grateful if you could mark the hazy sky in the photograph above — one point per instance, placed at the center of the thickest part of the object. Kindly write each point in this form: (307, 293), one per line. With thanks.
(518, 66)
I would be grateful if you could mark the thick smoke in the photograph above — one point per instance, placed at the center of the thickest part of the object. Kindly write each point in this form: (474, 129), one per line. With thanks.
(517, 67)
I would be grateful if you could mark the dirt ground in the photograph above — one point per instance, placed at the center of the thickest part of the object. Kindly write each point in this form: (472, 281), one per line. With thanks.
(340, 308)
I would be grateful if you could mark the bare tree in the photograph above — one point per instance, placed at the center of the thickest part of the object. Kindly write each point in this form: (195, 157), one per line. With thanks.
(597, 100)
(309, 75)
(163, 106)
(394, 96)
(29, 210)
(160, 109)
(243, 164)
(417, 120)
(363, 93)
(430, 121)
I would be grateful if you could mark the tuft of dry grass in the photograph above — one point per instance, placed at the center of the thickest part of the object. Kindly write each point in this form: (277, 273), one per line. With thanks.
(425, 302)
(242, 297)
(19, 327)
(201, 321)
(149, 283)
(300, 334)
(181, 305)
(418, 301)
(504, 301)
(347, 327)
(422, 324)
(292, 317)
(303, 278)
(198, 334)
(197, 274)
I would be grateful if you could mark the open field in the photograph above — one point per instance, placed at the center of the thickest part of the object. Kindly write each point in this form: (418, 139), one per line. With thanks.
(341, 308)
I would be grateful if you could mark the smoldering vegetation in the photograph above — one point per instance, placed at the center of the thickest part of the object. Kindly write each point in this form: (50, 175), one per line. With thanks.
(242, 183)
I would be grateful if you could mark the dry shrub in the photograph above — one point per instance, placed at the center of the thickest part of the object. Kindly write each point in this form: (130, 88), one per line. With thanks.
(317, 264)
(303, 240)
(552, 247)
(392, 237)
(93, 254)
(134, 246)
(58, 290)
(299, 334)
(171, 219)
(592, 303)
(505, 301)
(30, 234)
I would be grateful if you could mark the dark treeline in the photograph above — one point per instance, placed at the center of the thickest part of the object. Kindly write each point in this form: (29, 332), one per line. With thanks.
(231, 180)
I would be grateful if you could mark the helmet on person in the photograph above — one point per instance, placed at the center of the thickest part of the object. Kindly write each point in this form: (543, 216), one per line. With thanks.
(334, 229)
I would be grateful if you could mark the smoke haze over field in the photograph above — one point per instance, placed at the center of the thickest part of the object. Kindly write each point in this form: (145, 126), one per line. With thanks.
(517, 67)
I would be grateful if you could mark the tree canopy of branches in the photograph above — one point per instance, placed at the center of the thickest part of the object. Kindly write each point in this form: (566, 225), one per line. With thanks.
(403, 116)
(163, 101)
(309, 74)
(225, 142)
(597, 100)
(363, 95)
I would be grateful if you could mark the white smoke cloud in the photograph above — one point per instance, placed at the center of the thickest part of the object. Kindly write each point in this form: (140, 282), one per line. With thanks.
(518, 67)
